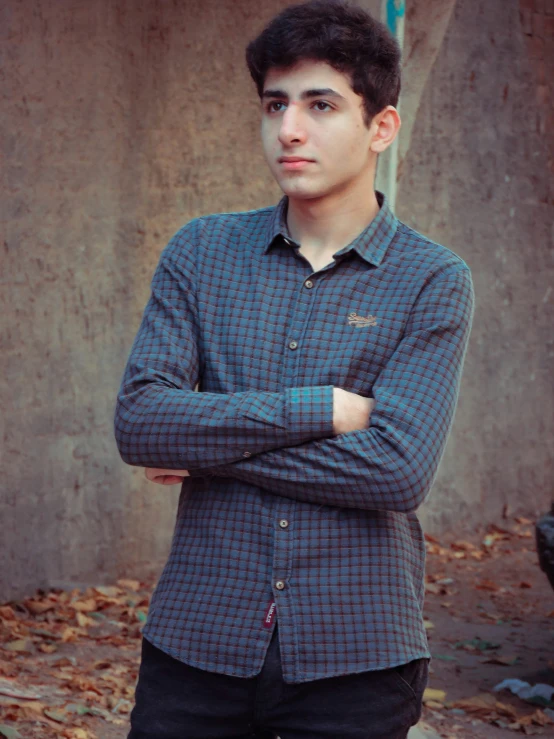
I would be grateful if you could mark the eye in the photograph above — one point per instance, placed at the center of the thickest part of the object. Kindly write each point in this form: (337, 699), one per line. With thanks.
(274, 106)
(322, 105)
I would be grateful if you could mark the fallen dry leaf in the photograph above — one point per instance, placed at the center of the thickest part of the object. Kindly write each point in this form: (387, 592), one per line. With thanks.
(485, 706)
(14, 690)
(463, 546)
(77, 734)
(102, 664)
(83, 684)
(478, 554)
(30, 709)
(129, 584)
(109, 591)
(85, 606)
(494, 617)
(500, 659)
(57, 714)
(435, 589)
(540, 718)
(9, 732)
(48, 648)
(433, 694)
(495, 530)
(476, 645)
(69, 635)
(431, 538)
(487, 585)
(18, 645)
(37, 607)
(84, 621)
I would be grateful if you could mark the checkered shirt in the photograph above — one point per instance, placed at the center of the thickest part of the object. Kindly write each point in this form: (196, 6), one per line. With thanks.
(281, 520)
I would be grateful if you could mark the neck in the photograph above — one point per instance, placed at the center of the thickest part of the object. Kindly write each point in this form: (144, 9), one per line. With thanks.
(330, 222)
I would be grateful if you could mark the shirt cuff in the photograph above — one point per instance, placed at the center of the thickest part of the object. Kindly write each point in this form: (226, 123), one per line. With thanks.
(309, 416)
(309, 412)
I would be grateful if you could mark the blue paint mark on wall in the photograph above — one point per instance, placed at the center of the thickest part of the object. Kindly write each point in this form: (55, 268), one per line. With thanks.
(395, 10)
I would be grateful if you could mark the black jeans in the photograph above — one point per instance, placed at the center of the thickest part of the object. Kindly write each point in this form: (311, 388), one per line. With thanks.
(176, 701)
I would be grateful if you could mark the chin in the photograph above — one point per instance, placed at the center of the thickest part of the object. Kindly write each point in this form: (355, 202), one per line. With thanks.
(297, 191)
(299, 194)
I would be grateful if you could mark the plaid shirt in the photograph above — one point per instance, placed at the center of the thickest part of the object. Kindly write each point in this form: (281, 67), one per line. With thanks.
(280, 519)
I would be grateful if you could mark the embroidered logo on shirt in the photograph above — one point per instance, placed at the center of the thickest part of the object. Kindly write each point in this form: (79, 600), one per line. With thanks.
(355, 320)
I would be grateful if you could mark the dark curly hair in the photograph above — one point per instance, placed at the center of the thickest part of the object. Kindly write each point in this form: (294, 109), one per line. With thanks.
(347, 37)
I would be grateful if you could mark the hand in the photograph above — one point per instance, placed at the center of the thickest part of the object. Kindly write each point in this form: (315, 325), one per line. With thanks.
(165, 477)
(351, 412)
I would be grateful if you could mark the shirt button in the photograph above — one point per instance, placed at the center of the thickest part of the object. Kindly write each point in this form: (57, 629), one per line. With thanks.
(247, 454)
(280, 585)
(283, 523)
(308, 284)
(293, 345)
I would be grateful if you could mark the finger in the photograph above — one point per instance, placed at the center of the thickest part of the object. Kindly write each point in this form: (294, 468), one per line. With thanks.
(166, 479)
(152, 472)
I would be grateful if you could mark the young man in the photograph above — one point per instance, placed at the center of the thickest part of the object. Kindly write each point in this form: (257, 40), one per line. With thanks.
(327, 339)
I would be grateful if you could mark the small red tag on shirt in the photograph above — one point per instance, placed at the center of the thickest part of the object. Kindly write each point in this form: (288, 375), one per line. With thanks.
(270, 615)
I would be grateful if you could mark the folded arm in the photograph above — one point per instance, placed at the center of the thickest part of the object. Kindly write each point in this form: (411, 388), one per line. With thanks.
(160, 421)
(390, 465)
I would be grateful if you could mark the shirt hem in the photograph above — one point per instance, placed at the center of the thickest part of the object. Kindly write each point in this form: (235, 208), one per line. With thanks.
(301, 678)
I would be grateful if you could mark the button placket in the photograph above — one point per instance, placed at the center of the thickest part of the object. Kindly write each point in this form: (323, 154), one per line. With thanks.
(283, 548)
(284, 512)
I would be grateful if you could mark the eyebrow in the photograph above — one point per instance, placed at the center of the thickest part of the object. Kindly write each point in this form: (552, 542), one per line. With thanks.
(306, 95)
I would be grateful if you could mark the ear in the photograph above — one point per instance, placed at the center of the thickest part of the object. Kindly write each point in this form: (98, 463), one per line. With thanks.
(384, 127)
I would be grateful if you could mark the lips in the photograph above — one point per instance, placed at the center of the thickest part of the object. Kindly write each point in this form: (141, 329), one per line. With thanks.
(292, 160)
(293, 163)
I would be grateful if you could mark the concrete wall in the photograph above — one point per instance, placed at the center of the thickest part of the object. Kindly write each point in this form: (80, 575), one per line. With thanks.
(125, 119)
(478, 178)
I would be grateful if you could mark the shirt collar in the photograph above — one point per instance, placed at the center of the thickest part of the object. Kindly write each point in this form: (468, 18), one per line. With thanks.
(371, 244)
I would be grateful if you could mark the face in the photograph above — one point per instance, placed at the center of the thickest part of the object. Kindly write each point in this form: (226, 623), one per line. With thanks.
(313, 132)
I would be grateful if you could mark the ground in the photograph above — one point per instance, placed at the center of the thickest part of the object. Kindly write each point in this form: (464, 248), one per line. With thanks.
(69, 660)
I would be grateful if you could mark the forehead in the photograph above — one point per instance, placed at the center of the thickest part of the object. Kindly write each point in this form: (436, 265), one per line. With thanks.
(308, 75)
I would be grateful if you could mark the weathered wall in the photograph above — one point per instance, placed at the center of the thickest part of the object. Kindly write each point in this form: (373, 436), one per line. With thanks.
(123, 120)
(537, 25)
(477, 178)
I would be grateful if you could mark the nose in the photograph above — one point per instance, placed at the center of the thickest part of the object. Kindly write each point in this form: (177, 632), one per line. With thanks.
(292, 130)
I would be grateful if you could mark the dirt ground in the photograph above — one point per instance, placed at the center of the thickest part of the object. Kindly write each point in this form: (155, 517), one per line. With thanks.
(69, 660)
(491, 613)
